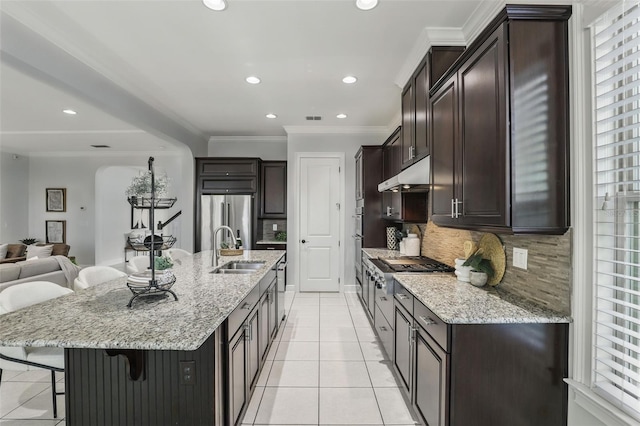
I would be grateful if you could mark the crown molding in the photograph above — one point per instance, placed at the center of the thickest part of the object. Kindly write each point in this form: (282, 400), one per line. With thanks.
(428, 37)
(248, 139)
(100, 153)
(335, 129)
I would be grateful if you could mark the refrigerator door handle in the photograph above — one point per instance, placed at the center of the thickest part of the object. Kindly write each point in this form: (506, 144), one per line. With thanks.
(222, 218)
(228, 215)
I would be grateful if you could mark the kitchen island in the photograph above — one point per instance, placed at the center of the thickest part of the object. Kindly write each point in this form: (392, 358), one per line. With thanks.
(160, 362)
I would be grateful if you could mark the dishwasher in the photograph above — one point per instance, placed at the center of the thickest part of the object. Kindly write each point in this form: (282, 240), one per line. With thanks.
(281, 285)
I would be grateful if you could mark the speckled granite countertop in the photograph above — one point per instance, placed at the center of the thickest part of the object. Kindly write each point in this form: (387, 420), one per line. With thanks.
(375, 253)
(99, 318)
(457, 302)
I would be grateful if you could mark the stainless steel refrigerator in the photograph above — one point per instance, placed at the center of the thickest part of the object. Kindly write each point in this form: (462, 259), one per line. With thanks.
(234, 211)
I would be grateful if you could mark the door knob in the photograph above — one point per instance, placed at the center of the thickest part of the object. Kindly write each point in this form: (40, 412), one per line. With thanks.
(304, 241)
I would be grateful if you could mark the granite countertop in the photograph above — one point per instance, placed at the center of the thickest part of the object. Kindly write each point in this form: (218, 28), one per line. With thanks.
(457, 302)
(271, 242)
(375, 253)
(99, 318)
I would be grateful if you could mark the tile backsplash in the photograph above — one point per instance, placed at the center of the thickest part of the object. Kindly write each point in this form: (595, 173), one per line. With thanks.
(268, 233)
(547, 280)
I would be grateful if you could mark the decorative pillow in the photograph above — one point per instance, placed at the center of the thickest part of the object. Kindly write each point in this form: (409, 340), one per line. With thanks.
(3, 250)
(40, 251)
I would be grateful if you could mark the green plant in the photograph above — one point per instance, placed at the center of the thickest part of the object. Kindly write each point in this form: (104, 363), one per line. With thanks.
(162, 262)
(281, 236)
(28, 241)
(141, 185)
(225, 245)
(479, 264)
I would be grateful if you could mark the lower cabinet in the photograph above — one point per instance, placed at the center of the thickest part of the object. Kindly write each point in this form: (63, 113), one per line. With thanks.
(479, 374)
(250, 328)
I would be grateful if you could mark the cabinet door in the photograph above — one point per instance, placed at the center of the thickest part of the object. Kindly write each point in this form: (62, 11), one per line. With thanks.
(444, 135)
(222, 167)
(371, 295)
(402, 329)
(421, 95)
(483, 135)
(273, 194)
(430, 380)
(407, 139)
(237, 375)
(359, 176)
(239, 185)
(264, 325)
(253, 347)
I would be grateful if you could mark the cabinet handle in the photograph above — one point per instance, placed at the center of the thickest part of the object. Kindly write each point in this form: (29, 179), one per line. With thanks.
(402, 296)
(383, 328)
(457, 204)
(453, 208)
(426, 320)
(384, 299)
(246, 306)
(247, 332)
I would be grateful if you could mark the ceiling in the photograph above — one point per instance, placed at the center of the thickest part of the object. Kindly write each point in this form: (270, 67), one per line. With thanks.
(145, 74)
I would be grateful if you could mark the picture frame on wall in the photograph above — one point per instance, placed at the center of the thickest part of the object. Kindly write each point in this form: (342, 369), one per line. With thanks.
(56, 199)
(56, 231)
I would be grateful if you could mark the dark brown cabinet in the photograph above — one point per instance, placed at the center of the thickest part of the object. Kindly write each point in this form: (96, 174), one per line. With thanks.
(273, 190)
(227, 175)
(415, 141)
(499, 128)
(473, 374)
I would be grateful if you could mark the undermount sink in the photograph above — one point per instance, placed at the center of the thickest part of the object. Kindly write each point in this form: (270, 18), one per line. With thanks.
(242, 265)
(238, 267)
(233, 271)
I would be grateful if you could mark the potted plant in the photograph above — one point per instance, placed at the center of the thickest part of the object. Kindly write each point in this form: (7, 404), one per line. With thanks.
(481, 269)
(162, 263)
(28, 241)
(141, 185)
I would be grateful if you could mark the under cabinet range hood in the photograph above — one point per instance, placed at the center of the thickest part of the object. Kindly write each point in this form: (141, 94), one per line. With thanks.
(414, 178)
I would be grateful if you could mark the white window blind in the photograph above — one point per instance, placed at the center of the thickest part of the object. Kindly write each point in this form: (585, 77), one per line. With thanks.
(616, 349)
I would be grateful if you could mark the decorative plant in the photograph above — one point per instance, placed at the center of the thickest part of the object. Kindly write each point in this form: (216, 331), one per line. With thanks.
(479, 264)
(141, 185)
(29, 241)
(281, 236)
(225, 245)
(162, 263)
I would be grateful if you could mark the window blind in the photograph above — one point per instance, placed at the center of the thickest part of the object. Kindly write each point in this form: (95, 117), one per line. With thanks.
(616, 227)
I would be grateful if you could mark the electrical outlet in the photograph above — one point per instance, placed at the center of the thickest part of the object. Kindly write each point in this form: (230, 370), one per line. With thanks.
(275, 226)
(187, 372)
(520, 258)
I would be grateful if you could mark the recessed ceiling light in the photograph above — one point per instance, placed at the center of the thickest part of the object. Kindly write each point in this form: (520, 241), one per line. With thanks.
(271, 115)
(341, 116)
(349, 79)
(253, 80)
(216, 5)
(366, 4)
(69, 111)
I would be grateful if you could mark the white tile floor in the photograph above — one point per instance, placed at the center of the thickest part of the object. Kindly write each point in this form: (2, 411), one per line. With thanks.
(324, 368)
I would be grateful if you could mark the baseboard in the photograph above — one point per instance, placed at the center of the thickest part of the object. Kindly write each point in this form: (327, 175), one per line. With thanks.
(349, 288)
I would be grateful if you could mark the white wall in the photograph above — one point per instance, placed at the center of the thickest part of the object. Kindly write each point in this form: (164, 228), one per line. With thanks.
(349, 145)
(78, 175)
(14, 198)
(266, 148)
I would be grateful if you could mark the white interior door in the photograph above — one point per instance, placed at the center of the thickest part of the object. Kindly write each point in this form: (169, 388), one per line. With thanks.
(319, 179)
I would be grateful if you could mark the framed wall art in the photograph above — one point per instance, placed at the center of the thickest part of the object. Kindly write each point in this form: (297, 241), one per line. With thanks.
(56, 199)
(56, 231)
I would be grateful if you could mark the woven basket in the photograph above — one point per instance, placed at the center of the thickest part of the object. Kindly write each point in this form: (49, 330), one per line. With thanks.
(230, 252)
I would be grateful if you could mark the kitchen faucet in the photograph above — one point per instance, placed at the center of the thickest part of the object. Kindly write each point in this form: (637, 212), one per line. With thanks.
(216, 251)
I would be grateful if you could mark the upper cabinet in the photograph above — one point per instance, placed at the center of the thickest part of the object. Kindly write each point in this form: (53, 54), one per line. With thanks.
(227, 175)
(273, 193)
(415, 102)
(499, 128)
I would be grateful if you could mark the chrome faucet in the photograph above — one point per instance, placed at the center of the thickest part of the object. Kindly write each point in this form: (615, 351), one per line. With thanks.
(216, 251)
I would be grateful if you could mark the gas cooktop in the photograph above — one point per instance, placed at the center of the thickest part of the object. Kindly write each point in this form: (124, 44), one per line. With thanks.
(416, 264)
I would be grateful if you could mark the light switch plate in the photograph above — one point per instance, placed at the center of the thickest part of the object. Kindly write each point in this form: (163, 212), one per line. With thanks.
(275, 226)
(520, 258)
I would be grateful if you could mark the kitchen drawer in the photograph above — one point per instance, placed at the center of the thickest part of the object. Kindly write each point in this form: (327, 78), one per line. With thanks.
(237, 317)
(274, 246)
(434, 326)
(403, 296)
(384, 301)
(384, 332)
(239, 185)
(266, 281)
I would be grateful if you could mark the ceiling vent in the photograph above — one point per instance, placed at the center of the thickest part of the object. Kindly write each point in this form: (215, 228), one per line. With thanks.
(100, 146)
(314, 118)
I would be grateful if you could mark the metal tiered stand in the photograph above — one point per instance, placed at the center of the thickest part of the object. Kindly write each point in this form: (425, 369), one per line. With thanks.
(145, 284)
